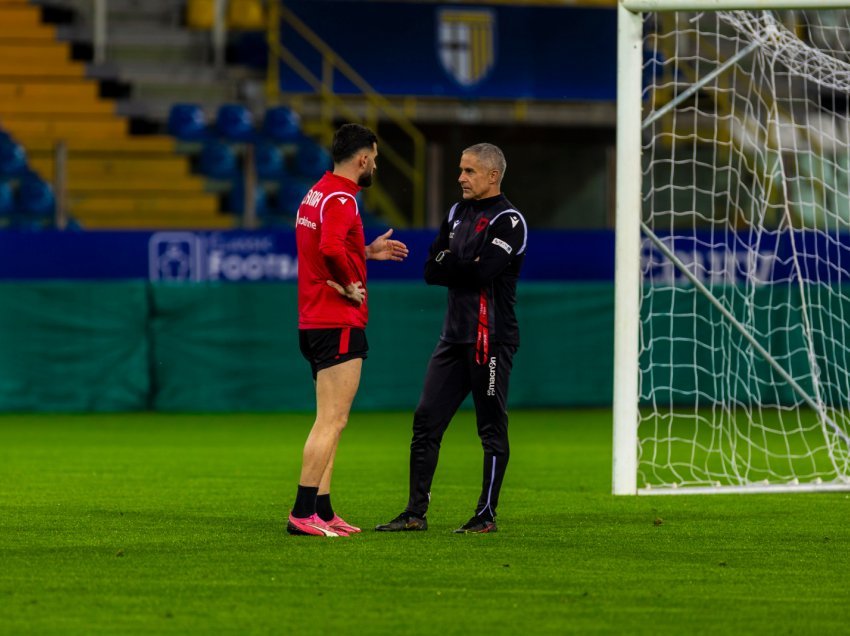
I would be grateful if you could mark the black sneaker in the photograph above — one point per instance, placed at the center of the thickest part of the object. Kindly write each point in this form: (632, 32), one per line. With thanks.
(478, 525)
(404, 522)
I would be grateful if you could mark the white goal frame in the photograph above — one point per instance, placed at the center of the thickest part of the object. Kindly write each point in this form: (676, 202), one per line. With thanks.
(628, 235)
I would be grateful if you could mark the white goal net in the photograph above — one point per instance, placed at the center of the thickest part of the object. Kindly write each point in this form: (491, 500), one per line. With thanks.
(744, 334)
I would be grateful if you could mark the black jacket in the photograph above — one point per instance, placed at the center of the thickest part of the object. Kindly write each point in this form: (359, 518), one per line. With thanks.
(478, 255)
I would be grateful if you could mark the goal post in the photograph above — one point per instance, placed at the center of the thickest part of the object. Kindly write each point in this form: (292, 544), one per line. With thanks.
(732, 277)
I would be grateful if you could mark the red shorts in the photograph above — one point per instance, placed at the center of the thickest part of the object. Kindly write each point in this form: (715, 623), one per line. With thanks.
(324, 348)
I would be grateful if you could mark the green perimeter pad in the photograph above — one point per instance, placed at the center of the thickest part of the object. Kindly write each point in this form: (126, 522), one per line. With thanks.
(219, 347)
(68, 346)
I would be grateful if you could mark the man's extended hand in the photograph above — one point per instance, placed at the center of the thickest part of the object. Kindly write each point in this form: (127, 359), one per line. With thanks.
(385, 249)
(355, 292)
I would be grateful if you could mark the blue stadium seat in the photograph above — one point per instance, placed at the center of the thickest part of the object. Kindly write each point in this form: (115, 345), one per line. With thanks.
(187, 122)
(311, 160)
(234, 123)
(281, 125)
(7, 202)
(269, 161)
(236, 199)
(290, 194)
(13, 158)
(35, 197)
(218, 160)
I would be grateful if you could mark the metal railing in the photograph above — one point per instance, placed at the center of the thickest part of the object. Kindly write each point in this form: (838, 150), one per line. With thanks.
(377, 107)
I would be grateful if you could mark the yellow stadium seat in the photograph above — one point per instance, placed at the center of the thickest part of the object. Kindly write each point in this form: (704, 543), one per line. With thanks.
(241, 14)
(247, 15)
(200, 14)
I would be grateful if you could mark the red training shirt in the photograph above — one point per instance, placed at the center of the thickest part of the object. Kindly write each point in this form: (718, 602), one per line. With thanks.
(331, 246)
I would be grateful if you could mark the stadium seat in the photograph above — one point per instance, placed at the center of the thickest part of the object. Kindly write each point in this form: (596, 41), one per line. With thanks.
(281, 124)
(13, 158)
(269, 162)
(7, 202)
(311, 159)
(218, 160)
(246, 15)
(200, 14)
(290, 194)
(236, 199)
(35, 197)
(234, 123)
(187, 122)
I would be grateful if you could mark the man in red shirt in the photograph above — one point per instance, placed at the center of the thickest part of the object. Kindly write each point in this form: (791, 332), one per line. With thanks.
(332, 314)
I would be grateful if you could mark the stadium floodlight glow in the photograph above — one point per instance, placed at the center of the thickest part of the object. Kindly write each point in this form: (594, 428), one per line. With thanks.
(732, 315)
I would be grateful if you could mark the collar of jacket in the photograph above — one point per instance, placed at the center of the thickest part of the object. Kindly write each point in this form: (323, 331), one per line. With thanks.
(482, 204)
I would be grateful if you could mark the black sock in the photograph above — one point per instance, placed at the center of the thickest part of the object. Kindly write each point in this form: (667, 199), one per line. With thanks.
(324, 508)
(305, 501)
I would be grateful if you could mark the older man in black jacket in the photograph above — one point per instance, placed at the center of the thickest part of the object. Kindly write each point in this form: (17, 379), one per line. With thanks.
(478, 255)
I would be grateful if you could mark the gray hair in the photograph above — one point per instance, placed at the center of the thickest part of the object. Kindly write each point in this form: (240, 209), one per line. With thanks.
(491, 156)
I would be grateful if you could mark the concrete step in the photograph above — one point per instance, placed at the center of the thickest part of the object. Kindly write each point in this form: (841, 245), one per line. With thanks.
(16, 33)
(49, 107)
(57, 90)
(113, 203)
(124, 35)
(194, 74)
(19, 15)
(137, 185)
(69, 127)
(156, 221)
(175, 92)
(138, 11)
(114, 167)
(29, 52)
(182, 54)
(141, 146)
(39, 71)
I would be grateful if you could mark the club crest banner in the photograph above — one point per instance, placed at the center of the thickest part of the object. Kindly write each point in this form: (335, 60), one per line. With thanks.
(465, 43)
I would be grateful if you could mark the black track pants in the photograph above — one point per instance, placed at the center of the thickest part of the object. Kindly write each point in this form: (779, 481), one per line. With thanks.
(452, 373)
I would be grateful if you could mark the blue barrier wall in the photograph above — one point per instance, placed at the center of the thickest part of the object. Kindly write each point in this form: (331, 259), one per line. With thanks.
(260, 256)
(435, 49)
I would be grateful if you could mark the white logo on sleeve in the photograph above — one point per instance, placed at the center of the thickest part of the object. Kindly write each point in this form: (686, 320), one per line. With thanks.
(300, 220)
(456, 223)
(514, 221)
(503, 245)
(342, 200)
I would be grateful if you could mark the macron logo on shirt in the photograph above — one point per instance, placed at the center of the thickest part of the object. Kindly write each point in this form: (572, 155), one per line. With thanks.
(342, 200)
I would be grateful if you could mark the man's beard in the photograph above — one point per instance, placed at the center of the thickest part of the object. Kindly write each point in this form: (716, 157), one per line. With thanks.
(365, 180)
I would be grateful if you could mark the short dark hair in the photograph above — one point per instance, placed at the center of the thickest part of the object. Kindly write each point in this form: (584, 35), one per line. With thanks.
(349, 139)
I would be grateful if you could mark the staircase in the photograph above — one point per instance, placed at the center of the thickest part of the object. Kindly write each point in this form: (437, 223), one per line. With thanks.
(163, 60)
(114, 179)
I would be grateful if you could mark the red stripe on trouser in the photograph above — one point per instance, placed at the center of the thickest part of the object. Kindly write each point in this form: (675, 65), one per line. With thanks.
(344, 338)
(482, 343)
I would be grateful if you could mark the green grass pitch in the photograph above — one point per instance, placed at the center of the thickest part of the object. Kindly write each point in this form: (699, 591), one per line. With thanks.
(174, 524)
